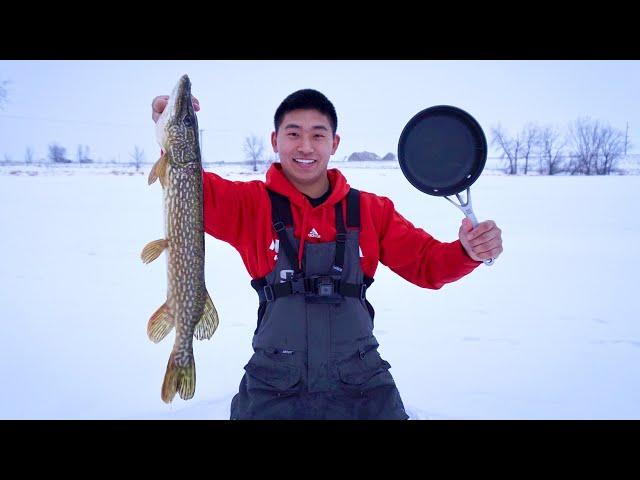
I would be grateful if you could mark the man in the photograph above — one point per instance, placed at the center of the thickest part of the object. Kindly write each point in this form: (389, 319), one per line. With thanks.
(311, 245)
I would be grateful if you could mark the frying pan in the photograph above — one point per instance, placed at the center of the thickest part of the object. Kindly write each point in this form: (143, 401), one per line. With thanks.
(442, 151)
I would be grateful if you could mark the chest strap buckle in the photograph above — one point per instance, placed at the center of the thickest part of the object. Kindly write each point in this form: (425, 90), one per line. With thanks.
(268, 293)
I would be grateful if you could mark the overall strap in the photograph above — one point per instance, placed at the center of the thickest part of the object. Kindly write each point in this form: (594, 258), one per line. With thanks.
(353, 208)
(341, 238)
(281, 217)
(353, 220)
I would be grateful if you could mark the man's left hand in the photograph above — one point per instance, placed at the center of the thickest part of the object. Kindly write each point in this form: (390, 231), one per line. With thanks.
(483, 242)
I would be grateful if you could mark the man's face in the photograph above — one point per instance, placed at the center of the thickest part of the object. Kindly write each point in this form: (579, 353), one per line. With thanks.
(304, 143)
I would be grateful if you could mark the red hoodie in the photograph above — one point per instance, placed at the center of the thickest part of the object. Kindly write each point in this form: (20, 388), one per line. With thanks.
(240, 213)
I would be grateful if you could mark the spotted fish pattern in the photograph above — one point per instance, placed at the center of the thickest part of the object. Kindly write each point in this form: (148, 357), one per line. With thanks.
(188, 307)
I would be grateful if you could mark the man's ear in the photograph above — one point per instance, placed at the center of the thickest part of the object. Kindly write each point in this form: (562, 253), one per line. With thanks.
(274, 142)
(336, 142)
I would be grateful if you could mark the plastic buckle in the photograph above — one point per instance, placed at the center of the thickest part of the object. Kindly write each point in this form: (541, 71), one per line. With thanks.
(341, 237)
(297, 285)
(279, 227)
(324, 286)
(268, 293)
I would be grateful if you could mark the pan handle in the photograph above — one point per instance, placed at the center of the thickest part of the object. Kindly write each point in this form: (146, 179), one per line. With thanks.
(467, 209)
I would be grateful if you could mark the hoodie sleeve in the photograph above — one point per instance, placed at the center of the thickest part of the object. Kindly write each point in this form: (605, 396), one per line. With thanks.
(418, 257)
(230, 208)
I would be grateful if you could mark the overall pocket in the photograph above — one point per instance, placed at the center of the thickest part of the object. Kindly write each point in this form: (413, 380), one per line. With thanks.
(365, 369)
(266, 373)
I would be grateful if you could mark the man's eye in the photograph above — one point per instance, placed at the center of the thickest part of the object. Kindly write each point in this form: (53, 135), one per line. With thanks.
(293, 134)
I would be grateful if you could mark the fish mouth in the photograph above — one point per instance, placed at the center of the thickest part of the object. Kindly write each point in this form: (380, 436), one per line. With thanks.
(182, 104)
(178, 107)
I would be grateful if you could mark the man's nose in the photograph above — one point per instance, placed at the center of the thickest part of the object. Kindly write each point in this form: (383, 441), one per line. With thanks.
(305, 146)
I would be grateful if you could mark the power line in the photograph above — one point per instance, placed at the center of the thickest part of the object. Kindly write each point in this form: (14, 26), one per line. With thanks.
(58, 120)
(85, 122)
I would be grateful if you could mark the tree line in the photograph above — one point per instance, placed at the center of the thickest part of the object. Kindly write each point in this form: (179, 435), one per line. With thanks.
(585, 147)
(57, 154)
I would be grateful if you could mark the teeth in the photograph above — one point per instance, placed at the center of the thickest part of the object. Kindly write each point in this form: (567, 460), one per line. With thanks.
(306, 162)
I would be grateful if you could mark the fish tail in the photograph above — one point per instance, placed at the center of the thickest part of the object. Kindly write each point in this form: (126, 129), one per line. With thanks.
(179, 379)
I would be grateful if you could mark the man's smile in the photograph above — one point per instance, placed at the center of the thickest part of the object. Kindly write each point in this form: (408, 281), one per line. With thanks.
(304, 161)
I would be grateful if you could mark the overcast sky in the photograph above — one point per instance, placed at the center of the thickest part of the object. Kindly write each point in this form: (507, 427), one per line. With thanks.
(105, 104)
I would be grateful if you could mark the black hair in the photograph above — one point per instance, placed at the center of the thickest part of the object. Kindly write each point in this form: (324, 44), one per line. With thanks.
(307, 99)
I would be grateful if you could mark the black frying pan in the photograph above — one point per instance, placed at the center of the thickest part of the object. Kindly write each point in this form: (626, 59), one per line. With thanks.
(442, 151)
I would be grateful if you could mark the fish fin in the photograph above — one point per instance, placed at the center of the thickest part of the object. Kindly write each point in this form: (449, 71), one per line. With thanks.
(152, 250)
(208, 323)
(179, 379)
(153, 175)
(160, 324)
(158, 170)
(162, 169)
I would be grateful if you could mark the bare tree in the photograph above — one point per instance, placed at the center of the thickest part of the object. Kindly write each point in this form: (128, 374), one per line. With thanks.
(57, 154)
(597, 147)
(529, 139)
(627, 143)
(511, 148)
(612, 149)
(138, 157)
(28, 155)
(551, 146)
(83, 154)
(253, 150)
(586, 136)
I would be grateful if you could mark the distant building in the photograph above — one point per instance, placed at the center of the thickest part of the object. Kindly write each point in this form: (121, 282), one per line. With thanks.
(363, 157)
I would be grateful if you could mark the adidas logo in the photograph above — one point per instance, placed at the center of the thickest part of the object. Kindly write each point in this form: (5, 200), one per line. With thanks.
(314, 234)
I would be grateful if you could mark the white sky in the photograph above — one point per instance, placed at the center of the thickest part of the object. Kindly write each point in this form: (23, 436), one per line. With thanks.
(106, 104)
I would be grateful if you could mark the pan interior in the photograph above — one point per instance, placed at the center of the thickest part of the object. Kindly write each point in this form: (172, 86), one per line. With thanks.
(442, 149)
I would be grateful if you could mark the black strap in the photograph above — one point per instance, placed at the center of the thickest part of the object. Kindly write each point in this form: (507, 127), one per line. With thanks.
(280, 208)
(281, 217)
(353, 208)
(269, 293)
(341, 238)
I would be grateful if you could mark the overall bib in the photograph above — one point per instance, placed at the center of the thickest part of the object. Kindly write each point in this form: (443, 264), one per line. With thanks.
(315, 355)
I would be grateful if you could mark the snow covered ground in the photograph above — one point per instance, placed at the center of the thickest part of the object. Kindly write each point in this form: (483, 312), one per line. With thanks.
(551, 331)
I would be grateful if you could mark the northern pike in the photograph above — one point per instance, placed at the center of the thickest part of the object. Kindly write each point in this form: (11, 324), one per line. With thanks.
(188, 307)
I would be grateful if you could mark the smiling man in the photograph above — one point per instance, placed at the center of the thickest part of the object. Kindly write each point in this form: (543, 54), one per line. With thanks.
(304, 142)
(312, 244)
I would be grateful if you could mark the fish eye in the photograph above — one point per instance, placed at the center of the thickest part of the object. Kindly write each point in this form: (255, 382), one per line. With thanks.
(187, 120)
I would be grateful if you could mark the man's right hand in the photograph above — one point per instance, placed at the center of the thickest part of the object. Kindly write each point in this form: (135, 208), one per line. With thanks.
(160, 103)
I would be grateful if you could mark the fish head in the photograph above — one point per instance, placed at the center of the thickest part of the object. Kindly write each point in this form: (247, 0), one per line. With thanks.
(177, 128)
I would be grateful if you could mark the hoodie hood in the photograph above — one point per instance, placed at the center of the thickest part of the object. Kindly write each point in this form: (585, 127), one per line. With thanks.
(279, 183)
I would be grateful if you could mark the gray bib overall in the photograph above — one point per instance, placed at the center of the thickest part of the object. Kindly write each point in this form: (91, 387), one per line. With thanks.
(316, 356)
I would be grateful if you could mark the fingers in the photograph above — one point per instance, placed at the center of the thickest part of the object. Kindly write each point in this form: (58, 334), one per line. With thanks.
(484, 241)
(159, 103)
